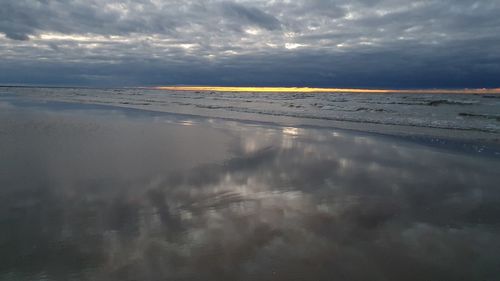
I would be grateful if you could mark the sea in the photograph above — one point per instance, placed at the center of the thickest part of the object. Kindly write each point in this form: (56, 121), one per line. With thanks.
(143, 184)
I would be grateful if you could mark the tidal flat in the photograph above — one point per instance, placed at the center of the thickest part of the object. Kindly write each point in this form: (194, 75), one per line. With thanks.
(93, 192)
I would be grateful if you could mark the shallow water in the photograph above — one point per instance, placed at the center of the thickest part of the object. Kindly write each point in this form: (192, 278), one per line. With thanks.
(94, 193)
(471, 116)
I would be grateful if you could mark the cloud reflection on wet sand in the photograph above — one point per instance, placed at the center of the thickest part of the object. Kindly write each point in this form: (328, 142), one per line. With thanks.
(110, 197)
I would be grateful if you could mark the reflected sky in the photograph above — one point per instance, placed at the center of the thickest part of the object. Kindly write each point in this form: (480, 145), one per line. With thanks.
(91, 194)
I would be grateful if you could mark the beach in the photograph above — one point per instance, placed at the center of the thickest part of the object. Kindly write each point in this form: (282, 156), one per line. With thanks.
(462, 116)
(146, 185)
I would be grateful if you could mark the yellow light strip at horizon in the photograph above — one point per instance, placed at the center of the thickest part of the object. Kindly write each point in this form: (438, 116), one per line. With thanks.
(324, 90)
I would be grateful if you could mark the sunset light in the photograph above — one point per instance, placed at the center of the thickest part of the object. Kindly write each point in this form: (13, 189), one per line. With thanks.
(326, 90)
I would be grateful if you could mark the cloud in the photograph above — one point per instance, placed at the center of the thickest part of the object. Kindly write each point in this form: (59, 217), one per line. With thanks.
(251, 15)
(416, 44)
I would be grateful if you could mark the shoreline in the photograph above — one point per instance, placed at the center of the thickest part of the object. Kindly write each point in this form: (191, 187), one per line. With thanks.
(470, 117)
(123, 188)
(457, 141)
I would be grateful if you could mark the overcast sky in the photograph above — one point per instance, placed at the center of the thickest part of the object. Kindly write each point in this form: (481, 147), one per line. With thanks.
(338, 43)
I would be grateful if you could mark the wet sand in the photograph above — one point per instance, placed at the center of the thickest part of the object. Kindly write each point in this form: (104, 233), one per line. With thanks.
(102, 193)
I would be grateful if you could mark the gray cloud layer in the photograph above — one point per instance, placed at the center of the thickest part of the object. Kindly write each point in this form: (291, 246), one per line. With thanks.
(369, 43)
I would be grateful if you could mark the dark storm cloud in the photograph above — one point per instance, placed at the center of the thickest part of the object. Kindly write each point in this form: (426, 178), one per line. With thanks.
(367, 43)
(23, 18)
(250, 15)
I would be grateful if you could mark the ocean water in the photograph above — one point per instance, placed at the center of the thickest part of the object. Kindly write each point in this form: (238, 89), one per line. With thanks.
(94, 191)
(462, 115)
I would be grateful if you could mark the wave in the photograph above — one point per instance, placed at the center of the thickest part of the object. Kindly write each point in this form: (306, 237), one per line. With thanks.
(386, 121)
(450, 102)
(485, 116)
(456, 112)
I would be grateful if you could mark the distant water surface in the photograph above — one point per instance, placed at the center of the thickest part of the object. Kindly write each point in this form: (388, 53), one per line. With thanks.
(103, 193)
(458, 115)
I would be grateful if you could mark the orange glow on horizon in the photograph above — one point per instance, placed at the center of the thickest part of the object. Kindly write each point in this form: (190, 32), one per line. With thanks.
(324, 90)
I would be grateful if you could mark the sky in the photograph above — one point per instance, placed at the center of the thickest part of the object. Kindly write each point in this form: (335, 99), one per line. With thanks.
(314, 43)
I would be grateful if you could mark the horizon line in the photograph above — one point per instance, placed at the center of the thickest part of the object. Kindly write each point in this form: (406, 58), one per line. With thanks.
(327, 90)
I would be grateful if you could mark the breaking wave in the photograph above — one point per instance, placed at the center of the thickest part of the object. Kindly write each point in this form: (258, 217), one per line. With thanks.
(459, 112)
